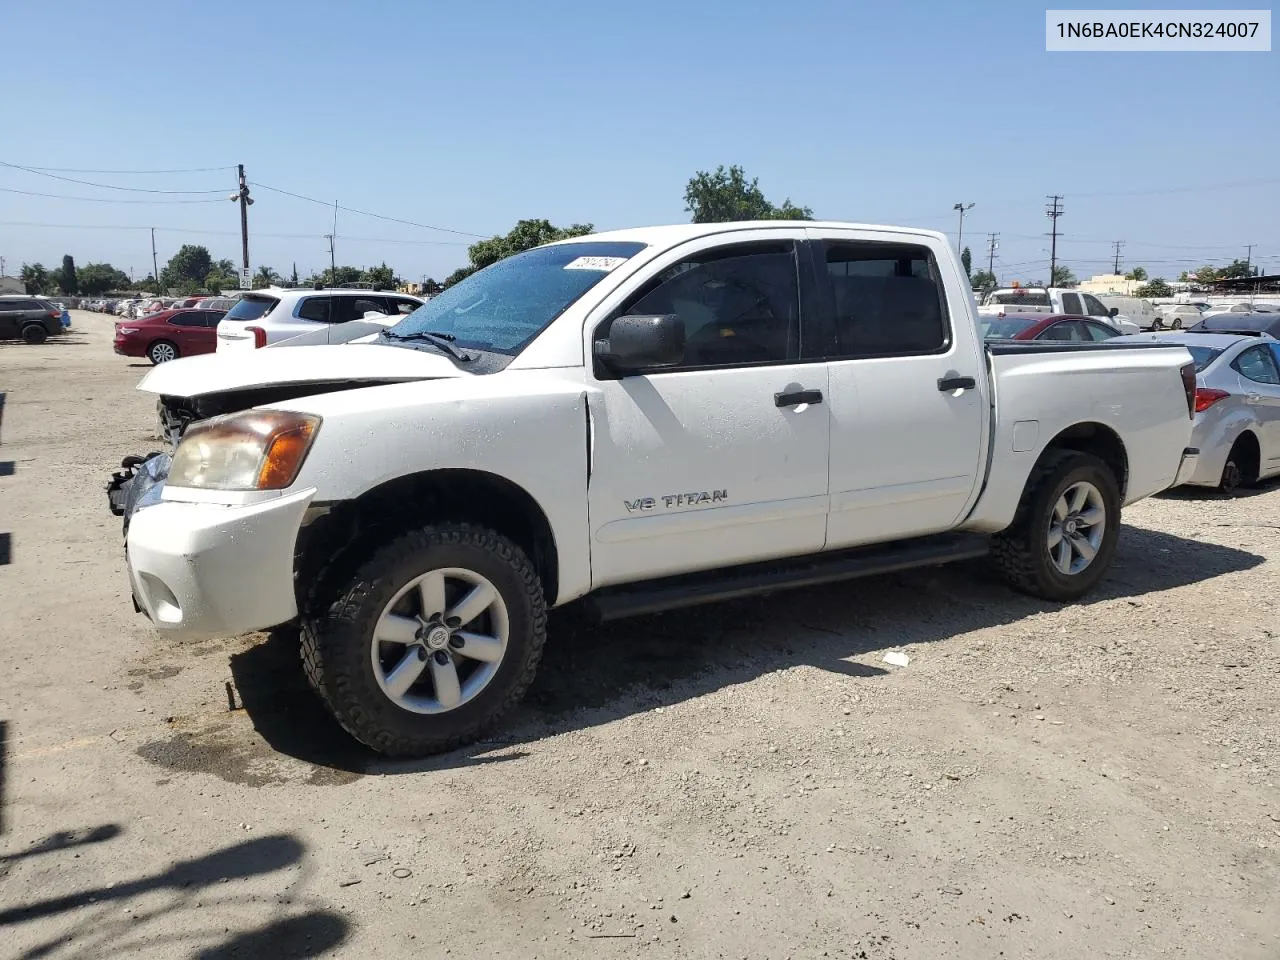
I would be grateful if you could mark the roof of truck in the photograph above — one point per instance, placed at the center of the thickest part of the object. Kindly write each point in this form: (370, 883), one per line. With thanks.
(667, 236)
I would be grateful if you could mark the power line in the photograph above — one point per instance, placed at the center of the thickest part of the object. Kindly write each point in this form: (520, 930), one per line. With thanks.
(103, 186)
(59, 196)
(231, 166)
(229, 233)
(366, 213)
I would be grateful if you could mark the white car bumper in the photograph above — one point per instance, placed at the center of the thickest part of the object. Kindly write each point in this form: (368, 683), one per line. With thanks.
(1188, 467)
(203, 570)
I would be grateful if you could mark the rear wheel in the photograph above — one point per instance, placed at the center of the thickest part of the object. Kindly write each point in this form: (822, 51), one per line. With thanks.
(430, 641)
(162, 351)
(1064, 534)
(1241, 468)
(34, 333)
(1176, 323)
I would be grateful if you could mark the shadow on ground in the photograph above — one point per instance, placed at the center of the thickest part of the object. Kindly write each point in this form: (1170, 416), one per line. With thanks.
(63, 340)
(1189, 494)
(120, 919)
(595, 674)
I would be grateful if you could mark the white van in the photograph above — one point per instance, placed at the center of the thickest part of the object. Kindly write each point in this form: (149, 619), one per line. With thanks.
(1134, 309)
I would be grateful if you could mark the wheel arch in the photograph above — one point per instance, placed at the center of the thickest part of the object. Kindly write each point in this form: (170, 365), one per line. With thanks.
(339, 535)
(1096, 439)
(1251, 450)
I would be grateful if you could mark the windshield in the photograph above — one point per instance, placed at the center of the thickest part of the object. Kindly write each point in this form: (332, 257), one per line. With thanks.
(1203, 356)
(251, 308)
(1021, 297)
(1004, 328)
(504, 306)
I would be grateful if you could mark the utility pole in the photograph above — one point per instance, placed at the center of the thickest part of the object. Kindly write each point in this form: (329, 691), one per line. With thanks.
(242, 195)
(333, 263)
(155, 264)
(2, 266)
(1248, 259)
(962, 207)
(1053, 212)
(1117, 244)
(992, 245)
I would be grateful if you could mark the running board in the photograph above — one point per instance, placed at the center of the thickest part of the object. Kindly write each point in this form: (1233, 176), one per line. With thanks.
(687, 590)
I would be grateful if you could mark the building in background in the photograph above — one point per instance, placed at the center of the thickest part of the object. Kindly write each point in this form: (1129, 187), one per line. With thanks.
(1110, 284)
(12, 285)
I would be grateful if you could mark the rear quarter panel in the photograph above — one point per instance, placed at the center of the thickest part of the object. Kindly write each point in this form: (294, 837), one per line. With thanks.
(1137, 393)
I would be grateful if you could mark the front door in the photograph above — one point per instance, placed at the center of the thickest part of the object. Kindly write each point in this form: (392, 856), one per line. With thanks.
(908, 388)
(721, 459)
(1259, 369)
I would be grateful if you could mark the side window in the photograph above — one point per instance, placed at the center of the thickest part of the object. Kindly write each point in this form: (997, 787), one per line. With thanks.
(1071, 303)
(314, 308)
(192, 318)
(402, 307)
(887, 300)
(354, 308)
(740, 305)
(1064, 330)
(1258, 364)
(1099, 332)
(1094, 308)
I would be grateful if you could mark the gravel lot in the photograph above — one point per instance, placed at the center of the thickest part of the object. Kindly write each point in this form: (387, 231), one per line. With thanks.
(744, 780)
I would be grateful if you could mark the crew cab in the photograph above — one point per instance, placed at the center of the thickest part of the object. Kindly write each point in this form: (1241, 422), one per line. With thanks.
(1022, 300)
(634, 421)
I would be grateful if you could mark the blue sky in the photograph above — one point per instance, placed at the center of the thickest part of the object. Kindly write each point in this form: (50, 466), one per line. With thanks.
(473, 115)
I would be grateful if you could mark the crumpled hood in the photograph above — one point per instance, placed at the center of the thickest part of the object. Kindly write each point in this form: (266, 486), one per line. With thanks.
(247, 369)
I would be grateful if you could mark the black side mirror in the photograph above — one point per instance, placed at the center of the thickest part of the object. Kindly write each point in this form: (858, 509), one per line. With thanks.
(637, 342)
(1113, 311)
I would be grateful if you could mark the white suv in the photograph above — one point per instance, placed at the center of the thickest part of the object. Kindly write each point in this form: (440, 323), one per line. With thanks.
(263, 317)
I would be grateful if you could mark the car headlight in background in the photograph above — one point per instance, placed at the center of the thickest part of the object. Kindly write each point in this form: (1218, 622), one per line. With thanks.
(253, 450)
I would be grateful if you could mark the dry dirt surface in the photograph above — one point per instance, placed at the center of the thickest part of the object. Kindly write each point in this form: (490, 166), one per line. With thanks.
(743, 780)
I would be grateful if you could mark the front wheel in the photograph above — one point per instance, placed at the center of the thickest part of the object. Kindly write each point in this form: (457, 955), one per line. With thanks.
(432, 639)
(1064, 534)
(1176, 324)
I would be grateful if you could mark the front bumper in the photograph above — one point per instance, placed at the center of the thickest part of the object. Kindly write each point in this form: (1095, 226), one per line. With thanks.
(203, 570)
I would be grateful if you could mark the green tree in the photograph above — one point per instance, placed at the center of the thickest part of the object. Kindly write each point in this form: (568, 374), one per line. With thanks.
(98, 278)
(148, 284)
(430, 287)
(188, 268)
(1237, 270)
(525, 235)
(1205, 274)
(265, 277)
(67, 280)
(1154, 288)
(36, 278)
(293, 278)
(1062, 277)
(382, 277)
(1137, 273)
(966, 258)
(344, 275)
(983, 281)
(726, 195)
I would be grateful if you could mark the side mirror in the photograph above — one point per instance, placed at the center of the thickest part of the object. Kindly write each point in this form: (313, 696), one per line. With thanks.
(1113, 311)
(637, 342)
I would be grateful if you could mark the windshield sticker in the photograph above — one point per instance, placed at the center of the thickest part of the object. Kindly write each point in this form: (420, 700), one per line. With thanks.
(604, 264)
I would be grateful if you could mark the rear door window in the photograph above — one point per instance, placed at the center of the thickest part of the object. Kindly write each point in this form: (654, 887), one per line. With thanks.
(1065, 330)
(887, 299)
(313, 308)
(1071, 303)
(252, 308)
(1258, 364)
(191, 318)
(1099, 332)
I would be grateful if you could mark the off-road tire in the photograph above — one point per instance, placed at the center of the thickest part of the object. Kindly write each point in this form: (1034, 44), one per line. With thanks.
(34, 334)
(1020, 552)
(336, 639)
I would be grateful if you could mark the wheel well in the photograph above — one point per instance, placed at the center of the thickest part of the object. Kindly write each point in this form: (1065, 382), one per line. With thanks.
(1099, 441)
(331, 546)
(1250, 456)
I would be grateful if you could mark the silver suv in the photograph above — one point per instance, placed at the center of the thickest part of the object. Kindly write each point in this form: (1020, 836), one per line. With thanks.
(263, 317)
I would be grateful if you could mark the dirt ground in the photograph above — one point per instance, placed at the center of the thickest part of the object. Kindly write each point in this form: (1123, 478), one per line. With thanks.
(743, 780)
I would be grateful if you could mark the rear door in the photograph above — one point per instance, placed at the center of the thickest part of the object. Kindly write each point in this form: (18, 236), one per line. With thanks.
(908, 386)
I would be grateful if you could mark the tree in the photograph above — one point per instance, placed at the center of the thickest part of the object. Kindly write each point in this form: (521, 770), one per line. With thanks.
(1205, 274)
(726, 195)
(525, 235)
(1237, 270)
(983, 281)
(1154, 288)
(1137, 273)
(344, 275)
(67, 280)
(98, 278)
(430, 287)
(187, 268)
(966, 258)
(1062, 277)
(265, 277)
(382, 277)
(148, 284)
(293, 278)
(36, 278)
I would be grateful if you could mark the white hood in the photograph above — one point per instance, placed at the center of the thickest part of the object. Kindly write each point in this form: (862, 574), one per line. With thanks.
(240, 369)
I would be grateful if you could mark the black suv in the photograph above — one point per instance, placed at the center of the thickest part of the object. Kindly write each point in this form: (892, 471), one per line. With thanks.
(30, 318)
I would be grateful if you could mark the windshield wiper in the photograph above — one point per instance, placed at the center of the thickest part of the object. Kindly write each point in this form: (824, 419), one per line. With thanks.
(442, 340)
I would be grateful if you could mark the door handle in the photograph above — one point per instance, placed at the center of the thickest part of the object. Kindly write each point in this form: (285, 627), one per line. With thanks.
(947, 384)
(797, 397)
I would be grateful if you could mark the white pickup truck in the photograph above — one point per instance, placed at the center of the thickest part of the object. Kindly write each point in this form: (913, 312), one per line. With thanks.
(638, 420)
(1054, 300)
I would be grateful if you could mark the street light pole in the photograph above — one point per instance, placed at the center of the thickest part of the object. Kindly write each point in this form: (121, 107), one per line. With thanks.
(962, 207)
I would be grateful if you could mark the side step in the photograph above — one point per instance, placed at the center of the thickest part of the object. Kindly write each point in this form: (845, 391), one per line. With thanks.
(687, 590)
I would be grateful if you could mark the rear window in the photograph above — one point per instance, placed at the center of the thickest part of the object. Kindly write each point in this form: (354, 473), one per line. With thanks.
(1004, 328)
(1021, 297)
(1203, 356)
(251, 308)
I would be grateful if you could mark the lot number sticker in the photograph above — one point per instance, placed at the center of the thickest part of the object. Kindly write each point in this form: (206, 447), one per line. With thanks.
(604, 264)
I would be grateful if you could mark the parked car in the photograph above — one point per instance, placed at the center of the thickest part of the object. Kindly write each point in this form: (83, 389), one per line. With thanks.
(1133, 314)
(1059, 300)
(1176, 316)
(1268, 323)
(216, 303)
(640, 420)
(262, 317)
(169, 334)
(1237, 422)
(31, 319)
(1053, 326)
(1220, 309)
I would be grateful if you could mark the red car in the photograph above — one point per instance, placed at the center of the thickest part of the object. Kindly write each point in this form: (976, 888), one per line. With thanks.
(1068, 327)
(169, 334)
